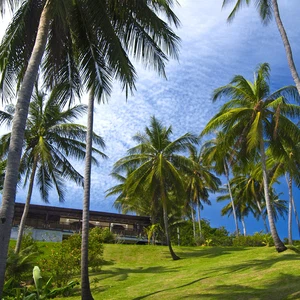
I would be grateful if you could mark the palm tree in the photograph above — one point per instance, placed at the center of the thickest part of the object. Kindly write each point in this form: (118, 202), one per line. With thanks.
(124, 203)
(265, 9)
(87, 42)
(199, 182)
(251, 115)
(248, 197)
(50, 138)
(284, 159)
(220, 156)
(157, 167)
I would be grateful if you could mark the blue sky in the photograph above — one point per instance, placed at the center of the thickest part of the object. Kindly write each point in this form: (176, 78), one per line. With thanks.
(212, 52)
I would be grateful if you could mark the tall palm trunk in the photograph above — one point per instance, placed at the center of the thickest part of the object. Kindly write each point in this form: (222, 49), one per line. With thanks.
(85, 283)
(231, 198)
(193, 220)
(166, 223)
(286, 45)
(244, 226)
(17, 137)
(26, 207)
(199, 219)
(280, 247)
(289, 183)
(296, 214)
(262, 215)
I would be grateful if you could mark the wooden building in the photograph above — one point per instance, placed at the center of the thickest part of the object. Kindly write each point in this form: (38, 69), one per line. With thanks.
(52, 223)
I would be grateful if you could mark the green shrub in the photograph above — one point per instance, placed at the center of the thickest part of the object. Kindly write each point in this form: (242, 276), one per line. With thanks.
(28, 241)
(218, 236)
(258, 239)
(107, 237)
(40, 290)
(19, 265)
(186, 235)
(210, 236)
(64, 262)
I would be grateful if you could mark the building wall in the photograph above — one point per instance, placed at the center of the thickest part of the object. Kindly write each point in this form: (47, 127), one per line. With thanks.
(40, 234)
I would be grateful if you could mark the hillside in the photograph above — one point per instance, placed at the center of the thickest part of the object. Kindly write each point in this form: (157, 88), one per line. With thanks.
(147, 272)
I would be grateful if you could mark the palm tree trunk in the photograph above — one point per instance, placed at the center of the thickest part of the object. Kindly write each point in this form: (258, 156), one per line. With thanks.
(244, 226)
(286, 45)
(231, 198)
(166, 223)
(26, 207)
(193, 220)
(85, 283)
(296, 214)
(199, 219)
(17, 137)
(289, 183)
(280, 247)
(263, 216)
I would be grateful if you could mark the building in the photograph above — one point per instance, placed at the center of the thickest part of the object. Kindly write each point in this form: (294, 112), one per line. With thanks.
(49, 223)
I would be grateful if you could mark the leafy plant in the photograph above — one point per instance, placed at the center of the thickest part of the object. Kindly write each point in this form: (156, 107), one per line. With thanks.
(64, 262)
(258, 239)
(19, 264)
(46, 291)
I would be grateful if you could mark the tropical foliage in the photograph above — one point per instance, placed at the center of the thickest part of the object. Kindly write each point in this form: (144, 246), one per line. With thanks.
(85, 43)
(50, 139)
(254, 119)
(157, 170)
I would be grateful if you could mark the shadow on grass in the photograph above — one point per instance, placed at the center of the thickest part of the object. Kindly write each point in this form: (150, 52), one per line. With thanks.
(245, 292)
(123, 273)
(210, 251)
(283, 287)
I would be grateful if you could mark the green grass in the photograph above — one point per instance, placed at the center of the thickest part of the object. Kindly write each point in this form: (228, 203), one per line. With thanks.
(147, 272)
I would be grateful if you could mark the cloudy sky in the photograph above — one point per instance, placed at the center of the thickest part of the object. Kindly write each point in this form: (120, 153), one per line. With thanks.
(212, 52)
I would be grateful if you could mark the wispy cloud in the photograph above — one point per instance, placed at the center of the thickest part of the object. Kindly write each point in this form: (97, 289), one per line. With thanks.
(212, 51)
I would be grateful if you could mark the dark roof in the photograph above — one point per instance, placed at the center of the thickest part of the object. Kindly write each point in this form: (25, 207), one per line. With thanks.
(39, 211)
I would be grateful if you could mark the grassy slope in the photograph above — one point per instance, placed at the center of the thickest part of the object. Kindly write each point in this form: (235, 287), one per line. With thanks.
(147, 272)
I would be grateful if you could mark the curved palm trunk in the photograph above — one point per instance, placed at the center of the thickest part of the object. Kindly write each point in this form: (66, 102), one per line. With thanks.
(26, 207)
(263, 216)
(85, 283)
(231, 199)
(166, 223)
(280, 247)
(244, 226)
(199, 219)
(286, 45)
(289, 183)
(17, 137)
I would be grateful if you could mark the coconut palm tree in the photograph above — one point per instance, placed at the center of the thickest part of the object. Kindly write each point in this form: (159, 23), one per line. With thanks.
(157, 167)
(199, 182)
(124, 203)
(248, 197)
(221, 157)
(284, 160)
(266, 8)
(253, 114)
(86, 42)
(50, 138)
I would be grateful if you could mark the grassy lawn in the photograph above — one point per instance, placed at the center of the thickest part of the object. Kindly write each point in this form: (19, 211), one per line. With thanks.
(147, 272)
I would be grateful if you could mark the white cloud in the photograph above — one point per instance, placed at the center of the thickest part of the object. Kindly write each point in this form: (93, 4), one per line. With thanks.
(212, 51)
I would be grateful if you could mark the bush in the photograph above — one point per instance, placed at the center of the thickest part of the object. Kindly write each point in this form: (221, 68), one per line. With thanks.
(217, 236)
(210, 236)
(64, 262)
(28, 241)
(107, 237)
(258, 239)
(19, 265)
(185, 233)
